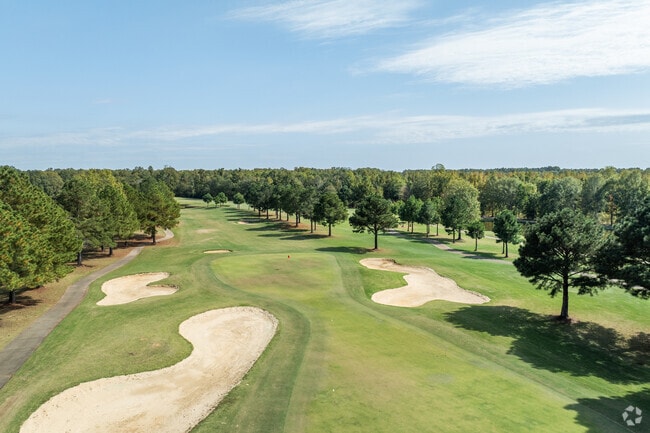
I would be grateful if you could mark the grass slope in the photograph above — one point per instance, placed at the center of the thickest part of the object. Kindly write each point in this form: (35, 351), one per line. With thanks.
(342, 363)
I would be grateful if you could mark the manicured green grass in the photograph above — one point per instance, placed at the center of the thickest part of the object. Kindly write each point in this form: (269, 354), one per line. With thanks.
(339, 362)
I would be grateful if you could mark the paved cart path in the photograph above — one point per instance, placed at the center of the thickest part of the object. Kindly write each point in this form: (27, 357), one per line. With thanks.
(14, 354)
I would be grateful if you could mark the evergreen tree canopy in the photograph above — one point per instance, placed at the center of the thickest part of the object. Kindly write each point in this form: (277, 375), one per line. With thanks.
(373, 214)
(330, 210)
(626, 257)
(45, 217)
(559, 253)
(506, 228)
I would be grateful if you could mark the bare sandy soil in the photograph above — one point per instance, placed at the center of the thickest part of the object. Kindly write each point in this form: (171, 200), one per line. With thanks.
(423, 285)
(216, 251)
(129, 288)
(227, 342)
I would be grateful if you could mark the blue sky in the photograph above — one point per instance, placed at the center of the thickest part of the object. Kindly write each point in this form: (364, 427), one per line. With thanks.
(335, 83)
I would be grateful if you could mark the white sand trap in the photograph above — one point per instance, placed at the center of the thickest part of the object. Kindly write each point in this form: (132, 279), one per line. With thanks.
(130, 288)
(423, 285)
(227, 342)
(216, 251)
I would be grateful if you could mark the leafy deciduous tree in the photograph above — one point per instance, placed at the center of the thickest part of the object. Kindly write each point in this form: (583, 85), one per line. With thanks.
(207, 198)
(476, 231)
(430, 213)
(220, 199)
(461, 206)
(409, 211)
(238, 199)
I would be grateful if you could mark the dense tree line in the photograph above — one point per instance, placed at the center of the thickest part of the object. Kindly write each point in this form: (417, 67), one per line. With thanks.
(49, 218)
(106, 206)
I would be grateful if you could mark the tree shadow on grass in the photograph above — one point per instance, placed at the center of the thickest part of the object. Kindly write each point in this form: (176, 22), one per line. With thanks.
(605, 414)
(449, 246)
(348, 250)
(22, 301)
(579, 348)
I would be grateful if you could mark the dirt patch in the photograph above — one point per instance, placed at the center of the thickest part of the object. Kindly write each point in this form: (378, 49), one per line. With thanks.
(217, 251)
(227, 342)
(423, 285)
(130, 288)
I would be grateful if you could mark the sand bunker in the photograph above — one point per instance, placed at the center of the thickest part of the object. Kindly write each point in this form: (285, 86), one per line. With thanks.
(129, 288)
(227, 342)
(423, 285)
(216, 251)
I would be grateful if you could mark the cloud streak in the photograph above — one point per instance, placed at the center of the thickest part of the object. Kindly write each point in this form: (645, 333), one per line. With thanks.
(545, 44)
(371, 129)
(328, 19)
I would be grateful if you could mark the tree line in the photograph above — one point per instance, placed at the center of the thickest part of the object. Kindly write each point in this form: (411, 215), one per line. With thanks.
(48, 221)
(519, 203)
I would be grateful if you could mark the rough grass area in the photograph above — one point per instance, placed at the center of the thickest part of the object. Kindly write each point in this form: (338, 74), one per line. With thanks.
(341, 363)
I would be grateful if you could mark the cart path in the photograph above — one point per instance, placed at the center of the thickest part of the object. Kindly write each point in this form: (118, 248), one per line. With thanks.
(14, 354)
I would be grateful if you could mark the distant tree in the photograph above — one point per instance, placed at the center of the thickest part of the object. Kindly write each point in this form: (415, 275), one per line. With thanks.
(506, 228)
(625, 258)
(501, 193)
(409, 211)
(430, 214)
(476, 231)
(308, 199)
(220, 199)
(123, 221)
(374, 215)
(557, 194)
(330, 210)
(238, 199)
(624, 193)
(207, 198)
(49, 181)
(592, 201)
(393, 185)
(559, 253)
(90, 214)
(461, 206)
(290, 192)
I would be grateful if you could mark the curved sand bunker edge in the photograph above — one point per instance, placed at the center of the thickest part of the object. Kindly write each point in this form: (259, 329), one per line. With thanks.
(130, 288)
(226, 344)
(217, 251)
(423, 285)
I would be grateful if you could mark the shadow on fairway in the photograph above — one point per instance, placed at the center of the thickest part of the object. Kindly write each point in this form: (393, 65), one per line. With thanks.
(348, 250)
(607, 413)
(471, 255)
(579, 348)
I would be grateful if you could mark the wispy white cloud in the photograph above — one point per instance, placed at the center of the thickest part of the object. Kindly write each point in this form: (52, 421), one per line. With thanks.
(371, 129)
(327, 19)
(545, 44)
